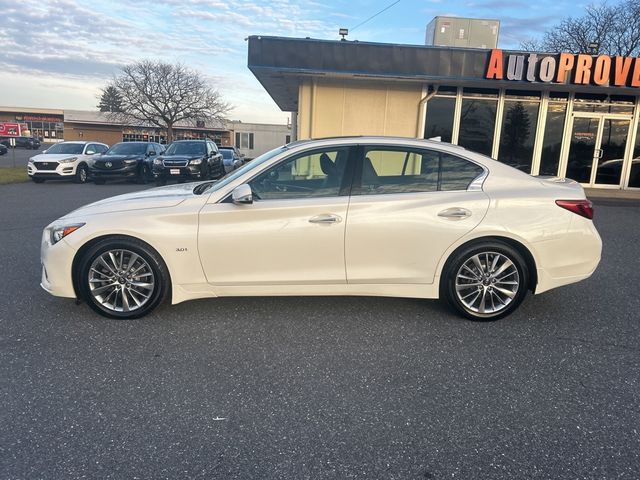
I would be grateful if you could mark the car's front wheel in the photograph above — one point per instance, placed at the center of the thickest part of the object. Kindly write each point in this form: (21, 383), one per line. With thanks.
(485, 281)
(82, 174)
(122, 278)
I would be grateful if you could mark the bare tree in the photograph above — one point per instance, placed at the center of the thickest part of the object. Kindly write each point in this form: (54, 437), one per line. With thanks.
(615, 29)
(164, 94)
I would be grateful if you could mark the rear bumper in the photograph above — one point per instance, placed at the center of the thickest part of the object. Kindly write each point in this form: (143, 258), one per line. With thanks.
(570, 260)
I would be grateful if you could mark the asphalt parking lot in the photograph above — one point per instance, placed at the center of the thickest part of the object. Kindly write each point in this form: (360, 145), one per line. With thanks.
(316, 387)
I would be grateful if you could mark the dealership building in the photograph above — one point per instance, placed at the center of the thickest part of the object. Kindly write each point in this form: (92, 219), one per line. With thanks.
(564, 114)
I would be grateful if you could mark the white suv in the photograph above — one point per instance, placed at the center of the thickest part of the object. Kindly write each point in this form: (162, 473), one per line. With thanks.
(64, 160)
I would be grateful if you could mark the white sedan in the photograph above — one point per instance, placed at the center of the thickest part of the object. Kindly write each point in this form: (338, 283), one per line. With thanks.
(345, 216)
(64, 160)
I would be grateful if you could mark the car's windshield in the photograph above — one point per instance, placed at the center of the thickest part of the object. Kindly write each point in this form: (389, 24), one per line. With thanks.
(186, 148)
(64, 148)
(227, 153)
(210, 187)
(127, 149)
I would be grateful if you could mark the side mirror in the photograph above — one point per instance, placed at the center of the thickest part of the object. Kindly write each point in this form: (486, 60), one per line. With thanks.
(89, 152)
(242, 195)
(44, 151)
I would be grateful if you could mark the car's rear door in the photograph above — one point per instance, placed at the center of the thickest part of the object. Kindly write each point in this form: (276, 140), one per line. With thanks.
(292, 233)
(408, 205)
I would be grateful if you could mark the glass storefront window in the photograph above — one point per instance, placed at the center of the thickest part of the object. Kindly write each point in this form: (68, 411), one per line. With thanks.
(480, 92)
(477, 124)
(518, 134)
(552, 142)
(439, 122)
(634, 174)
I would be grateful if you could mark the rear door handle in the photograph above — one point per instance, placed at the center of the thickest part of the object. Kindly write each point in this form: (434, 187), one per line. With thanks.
(455, 213)
(326, 218)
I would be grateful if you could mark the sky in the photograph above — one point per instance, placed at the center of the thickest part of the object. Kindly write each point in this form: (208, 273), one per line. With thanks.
(59, 53)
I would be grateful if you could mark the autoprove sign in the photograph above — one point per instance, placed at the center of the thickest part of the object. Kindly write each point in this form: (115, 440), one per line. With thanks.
(579, 69)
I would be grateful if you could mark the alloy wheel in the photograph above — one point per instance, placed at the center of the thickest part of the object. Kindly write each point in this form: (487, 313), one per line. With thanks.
(121, 280)
(487, 282)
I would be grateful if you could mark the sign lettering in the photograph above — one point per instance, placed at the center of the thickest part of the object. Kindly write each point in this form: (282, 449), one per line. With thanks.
(578, 69)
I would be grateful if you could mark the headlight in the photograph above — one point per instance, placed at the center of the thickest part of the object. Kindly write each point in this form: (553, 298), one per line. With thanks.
(59, 232)
(157, 161)
(131, 161)
(68, 160)
(197, 161)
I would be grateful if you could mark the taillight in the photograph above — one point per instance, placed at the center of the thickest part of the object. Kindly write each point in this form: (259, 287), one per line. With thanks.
(584, 208)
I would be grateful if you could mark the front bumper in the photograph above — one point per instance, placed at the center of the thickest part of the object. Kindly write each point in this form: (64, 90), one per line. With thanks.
(57, 262)
(190, 172)
(129, 171)
(61, 171)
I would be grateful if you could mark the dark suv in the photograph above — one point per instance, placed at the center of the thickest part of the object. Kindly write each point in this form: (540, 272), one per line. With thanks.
(31, 143)
(188, 160)
(130, 160)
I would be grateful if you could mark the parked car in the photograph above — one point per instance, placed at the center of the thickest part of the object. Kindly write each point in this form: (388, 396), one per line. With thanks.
(235, 149)
(31, 143)
(65, 160)
(130, 160)
(3, 149)
(344, 216)
(188, 160)
(230, 159)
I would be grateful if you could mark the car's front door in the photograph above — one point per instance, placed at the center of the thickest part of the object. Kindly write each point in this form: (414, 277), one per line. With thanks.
(292, 233)
(407, 207)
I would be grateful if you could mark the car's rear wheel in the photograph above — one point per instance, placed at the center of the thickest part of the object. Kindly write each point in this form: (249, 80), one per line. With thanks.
(485, 281)
(123, 278)
(82, 174)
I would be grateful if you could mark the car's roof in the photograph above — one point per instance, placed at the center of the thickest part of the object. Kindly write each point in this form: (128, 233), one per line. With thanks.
(377, 139)
(192, 140)
(79, 142)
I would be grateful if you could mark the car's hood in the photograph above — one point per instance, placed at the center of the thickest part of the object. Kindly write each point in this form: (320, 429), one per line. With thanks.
(161, 197)
(107, 158)
(53, 157)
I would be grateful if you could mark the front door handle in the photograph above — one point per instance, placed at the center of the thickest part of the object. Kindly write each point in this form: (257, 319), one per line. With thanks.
(455, 213)
(326, 218)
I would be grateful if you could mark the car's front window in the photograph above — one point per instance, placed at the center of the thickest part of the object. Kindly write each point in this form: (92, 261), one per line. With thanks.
(226, 153)
(66, 149)
(127, 149)
(209, 187)
(186, 148)
(309, 174)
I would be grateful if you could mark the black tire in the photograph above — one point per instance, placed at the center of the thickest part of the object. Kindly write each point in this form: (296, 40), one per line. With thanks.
(99, 181)
(144, 174)
(161, 278)
(486, 251)
(37, 180)
(82, 174)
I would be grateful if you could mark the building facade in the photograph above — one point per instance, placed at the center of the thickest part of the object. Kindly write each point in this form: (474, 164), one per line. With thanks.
(559, 114)
(254, 139)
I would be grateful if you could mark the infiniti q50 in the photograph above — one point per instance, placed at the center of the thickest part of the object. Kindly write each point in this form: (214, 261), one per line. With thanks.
(344, 216)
